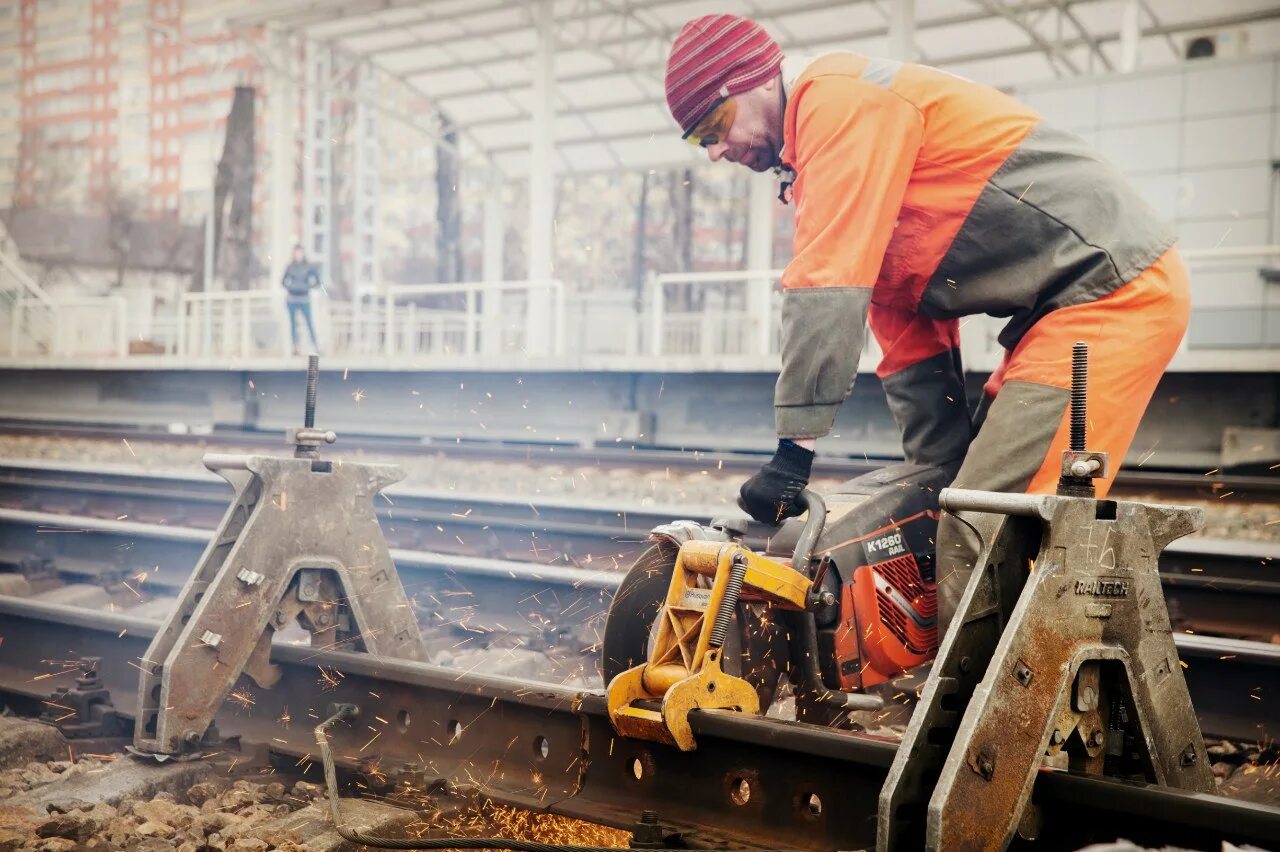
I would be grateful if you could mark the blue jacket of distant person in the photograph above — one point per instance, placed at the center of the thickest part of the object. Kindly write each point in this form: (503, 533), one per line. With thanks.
(300, 278)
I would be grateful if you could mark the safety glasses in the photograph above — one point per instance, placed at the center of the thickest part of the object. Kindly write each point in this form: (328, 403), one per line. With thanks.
(714, 126)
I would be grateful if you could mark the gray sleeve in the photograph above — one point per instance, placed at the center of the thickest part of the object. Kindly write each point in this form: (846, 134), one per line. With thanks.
(823, 329)
(928, 402)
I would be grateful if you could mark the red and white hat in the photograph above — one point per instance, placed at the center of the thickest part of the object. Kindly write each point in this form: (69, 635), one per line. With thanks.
(714, 57)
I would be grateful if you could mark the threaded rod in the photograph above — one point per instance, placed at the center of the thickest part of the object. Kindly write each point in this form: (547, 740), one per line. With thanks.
(1079, 394)
(313, 380)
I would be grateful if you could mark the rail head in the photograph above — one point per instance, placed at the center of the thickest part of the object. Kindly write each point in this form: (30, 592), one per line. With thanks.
(758, 781)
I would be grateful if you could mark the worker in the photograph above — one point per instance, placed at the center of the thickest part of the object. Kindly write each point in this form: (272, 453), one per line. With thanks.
(300, 278)
(920, 198)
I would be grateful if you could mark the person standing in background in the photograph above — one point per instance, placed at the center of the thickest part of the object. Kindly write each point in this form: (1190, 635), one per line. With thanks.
(300, 278)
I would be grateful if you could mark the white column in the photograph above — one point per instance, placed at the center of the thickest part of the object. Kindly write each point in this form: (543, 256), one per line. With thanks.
(283, 107)
(541, 173)
(491, 268)
(317, 173)
(902, 29)
(367, 275)
(763, 193)
(494, 233)
(1130, 35)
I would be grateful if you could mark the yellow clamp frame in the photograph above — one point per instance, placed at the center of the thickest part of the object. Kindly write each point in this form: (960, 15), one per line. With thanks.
(683, 670)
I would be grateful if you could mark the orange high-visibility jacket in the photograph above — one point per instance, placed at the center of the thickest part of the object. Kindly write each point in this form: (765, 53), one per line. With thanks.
(921, 197)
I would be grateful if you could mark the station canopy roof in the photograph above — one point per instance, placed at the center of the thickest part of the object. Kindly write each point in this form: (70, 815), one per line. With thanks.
(473, 59)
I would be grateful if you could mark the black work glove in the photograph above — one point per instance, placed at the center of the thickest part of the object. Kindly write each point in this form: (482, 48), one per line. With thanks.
(771, 494)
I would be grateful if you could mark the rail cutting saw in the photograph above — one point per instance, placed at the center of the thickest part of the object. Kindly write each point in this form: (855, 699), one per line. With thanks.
(702, 620)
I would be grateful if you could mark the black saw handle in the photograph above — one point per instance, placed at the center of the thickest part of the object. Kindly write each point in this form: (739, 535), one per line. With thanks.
(801, 559)
(812, 503)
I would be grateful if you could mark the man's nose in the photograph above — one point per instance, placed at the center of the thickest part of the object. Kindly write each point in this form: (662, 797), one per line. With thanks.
(716, 151)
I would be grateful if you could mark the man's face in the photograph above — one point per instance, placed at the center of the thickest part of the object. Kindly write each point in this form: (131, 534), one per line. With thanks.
(755, 138)
(297, 255)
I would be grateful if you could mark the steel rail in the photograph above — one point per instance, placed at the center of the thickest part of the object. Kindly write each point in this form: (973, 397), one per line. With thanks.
(187, 540)
(756, 782)
(463, 603)
(637, 457)
(1214, 585)
(199, 498)
(616, 521)
(1222, 673)
(1192, 568)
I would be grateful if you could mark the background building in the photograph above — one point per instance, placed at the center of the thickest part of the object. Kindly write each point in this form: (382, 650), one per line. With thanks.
(415, 144)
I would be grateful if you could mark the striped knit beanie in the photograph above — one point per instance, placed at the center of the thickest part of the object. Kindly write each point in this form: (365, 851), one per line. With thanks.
(714, 57)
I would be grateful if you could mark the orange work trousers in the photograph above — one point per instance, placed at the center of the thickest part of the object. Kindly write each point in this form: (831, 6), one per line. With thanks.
(1024, 421)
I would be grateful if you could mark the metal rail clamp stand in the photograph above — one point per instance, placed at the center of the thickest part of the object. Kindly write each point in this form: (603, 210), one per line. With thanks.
(1061, 650)
(299, 542)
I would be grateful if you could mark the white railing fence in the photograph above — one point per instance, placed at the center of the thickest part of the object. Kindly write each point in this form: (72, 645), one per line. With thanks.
(603, 322)
(37, 324)
(92, 326)
(734, 315)
(28, 329)
(474, 318)
(232, 324)
(730, 313)
(720, 313)
(356, 328)
(1240, 318)
(728, 319)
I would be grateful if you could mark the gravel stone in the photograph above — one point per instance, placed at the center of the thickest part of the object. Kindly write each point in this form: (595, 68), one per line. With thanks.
(198, 794)
(232, 800)
(57, 844)
(66, 806)
(247, 844)
(255, 813)
(1222, 749)
(76, 825)
(166, 813)
(116, 830)
(37, 774)
(23, 741)
(307, 790)
(151, 844)
(212, 823)
(104, 812)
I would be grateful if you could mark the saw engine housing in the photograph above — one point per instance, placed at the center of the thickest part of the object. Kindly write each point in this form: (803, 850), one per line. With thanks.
(879, 541)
